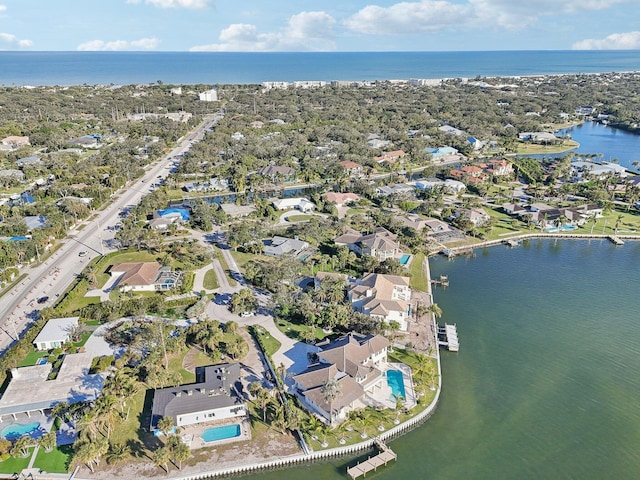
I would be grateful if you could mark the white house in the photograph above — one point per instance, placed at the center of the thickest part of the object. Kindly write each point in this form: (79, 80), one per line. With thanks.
(209, 95)
(55, 333)
(300, 203)
(355, 362)
(383, 296)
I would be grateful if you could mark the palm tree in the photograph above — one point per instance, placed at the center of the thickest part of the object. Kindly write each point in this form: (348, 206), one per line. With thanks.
(181, 453)
(436, 310)
(22, 446)
(165, 425)
(399, 399)
(87, 453)
(48, 441)
(331, 390)
(162, 457)
(118, 452)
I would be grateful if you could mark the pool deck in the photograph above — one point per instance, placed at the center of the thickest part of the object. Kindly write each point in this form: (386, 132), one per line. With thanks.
(381, 394)
(192, 434)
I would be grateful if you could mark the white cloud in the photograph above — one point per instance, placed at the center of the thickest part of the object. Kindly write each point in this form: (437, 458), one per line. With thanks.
(408, 17)
(519, 14)
(3, 8)
(10, 40)
(615, 41)
(193, 4)
(305, 31)
(118, 45)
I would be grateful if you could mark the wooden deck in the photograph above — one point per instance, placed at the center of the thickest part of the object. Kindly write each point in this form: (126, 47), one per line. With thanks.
(448, 337)
(372, 463)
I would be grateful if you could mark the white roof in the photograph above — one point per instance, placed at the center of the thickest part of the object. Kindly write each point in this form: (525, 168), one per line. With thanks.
(56, 330)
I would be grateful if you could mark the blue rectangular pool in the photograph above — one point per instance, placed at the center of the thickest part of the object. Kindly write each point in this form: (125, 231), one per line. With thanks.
(396, 383)
(404, 259)
(221, 433)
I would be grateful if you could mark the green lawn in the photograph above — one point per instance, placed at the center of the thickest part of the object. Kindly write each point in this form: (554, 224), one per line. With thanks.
(56, 461)
(33, 357)
(14, 465)
(533, 148)
(418, 275)
(299, 218)
(295, 331)
(271, 345)
(210, 280)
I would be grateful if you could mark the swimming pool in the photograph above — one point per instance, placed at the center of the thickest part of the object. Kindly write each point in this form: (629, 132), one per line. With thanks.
(16, 431)
(41, 361)
(395, 381)
(563, 228)
(221, 433)
(404, 259)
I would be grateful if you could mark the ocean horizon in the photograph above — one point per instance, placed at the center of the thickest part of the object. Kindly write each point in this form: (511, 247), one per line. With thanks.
(185, 68)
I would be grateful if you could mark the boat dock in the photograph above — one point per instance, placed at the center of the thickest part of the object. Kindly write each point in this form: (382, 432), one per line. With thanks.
(443, 280)
(448, 337)
(372, 463)
(616, 240)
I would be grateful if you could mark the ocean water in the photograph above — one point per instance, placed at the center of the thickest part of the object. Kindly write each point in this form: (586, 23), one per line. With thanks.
(545, 385)
(77, 68)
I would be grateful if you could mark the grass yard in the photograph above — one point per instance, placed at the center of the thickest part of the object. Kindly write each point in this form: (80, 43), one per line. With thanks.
(418, 279)
(532, 148)
(56, 461)
(32, 357)
(295, 331)
(271, 345)
(298, 218)
(14, 465)
(210, 280)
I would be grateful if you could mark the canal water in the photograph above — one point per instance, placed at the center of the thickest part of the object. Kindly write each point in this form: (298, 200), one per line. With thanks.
(609, 143)
(546, 381)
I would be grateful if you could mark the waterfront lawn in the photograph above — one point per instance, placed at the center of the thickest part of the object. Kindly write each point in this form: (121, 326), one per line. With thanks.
(419, 279)
(534, 148)
(14, 465)
(210, 280)
(56, 461)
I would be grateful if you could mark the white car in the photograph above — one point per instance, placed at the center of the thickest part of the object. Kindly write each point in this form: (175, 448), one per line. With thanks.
(246, 314)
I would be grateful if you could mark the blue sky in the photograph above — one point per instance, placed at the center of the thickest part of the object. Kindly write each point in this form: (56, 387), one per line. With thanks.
(329, 25)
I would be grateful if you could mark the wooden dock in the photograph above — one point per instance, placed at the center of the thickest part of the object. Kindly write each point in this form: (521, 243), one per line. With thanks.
(443, 281)
(372, 463)
(616, 240)
(448, 337)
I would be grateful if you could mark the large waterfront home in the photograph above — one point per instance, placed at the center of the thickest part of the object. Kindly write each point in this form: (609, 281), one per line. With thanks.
(385, 297)
(354, 363)
(381, 244)
(214, 399)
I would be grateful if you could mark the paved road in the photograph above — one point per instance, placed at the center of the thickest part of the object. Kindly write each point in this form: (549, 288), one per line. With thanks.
(19, 308)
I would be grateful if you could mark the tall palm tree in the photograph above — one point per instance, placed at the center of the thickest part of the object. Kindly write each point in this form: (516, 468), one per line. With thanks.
(331, 389)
